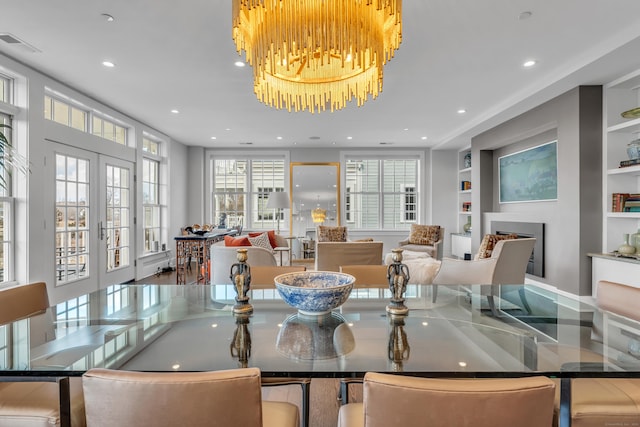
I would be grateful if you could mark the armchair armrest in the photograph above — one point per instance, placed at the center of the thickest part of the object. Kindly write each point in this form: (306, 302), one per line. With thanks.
(404, 242)
(459, 272)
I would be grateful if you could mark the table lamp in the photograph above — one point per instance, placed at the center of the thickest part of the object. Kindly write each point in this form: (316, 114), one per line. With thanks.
(278, 200)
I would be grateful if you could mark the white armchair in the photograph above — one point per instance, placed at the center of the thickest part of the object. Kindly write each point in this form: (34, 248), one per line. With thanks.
(435, 250)
(223, 257)
(507, 265)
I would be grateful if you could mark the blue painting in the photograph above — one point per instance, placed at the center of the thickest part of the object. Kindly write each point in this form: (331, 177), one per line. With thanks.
(529, 175)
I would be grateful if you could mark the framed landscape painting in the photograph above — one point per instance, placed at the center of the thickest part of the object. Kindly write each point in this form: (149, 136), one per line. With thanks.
(529, 175)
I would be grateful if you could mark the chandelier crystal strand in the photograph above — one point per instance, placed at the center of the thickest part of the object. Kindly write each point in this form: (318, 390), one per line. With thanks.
(310, 54)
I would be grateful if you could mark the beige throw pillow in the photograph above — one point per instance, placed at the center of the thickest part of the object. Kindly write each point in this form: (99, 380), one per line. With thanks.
(424, 234)
(489, 243)
(332, 234)
(261, 241)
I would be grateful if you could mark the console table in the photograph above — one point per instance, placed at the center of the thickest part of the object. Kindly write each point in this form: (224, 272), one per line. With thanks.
(195, 245)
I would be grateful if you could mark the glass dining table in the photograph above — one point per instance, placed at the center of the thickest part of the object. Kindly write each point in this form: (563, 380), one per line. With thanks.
(167, 328)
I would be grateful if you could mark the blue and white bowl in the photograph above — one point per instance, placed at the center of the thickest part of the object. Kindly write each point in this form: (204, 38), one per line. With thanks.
(314, 292)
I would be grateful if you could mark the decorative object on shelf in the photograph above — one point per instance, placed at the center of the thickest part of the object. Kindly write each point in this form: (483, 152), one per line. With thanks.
(398, 277)
(467, 160)
(634, 113)
(315, 337)
(241, 278)
(465, 185)
(240, 346)
(466, 206)
(467, 227)
(634, 240)
(314, 292)
(631, 203)
(399, 349)
(312, 54)
(278, 200)
(633, 149)
(625, 248)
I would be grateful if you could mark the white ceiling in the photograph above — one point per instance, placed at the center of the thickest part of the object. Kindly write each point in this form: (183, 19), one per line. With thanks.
(455, 54)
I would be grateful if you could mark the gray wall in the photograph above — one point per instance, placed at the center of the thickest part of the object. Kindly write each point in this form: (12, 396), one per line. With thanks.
(573, 222)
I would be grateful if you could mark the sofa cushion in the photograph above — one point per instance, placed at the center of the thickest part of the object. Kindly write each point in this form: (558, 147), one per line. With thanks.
(424, 234)
(332, 234)
(236, 241)
(489, 242)
(272, 237)
(261, 241)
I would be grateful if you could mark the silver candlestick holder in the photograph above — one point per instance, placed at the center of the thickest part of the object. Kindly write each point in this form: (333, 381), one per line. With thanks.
(241, 279)
(398, 277)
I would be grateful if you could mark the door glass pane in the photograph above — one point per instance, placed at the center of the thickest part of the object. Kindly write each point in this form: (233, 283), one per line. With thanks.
(117, 211)
(71, 219)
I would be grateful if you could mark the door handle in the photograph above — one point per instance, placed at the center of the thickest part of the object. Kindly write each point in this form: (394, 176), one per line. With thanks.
(101, 231)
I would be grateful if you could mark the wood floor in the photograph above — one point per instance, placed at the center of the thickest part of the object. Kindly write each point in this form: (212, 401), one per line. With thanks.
(324, 403)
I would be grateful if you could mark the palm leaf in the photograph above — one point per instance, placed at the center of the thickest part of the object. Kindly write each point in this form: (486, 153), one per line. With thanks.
(10, 159)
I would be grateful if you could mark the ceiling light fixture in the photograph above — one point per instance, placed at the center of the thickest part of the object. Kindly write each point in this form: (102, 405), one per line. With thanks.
(239, 64)
(175, 111)
(312, 54)
(529, 63)
(108, 64)
(462, 111)
(107, 17)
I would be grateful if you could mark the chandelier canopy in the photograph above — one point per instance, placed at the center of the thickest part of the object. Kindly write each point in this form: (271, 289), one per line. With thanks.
(310, 54)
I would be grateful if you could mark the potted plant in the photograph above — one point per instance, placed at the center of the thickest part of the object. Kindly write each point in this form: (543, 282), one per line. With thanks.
(10, 159)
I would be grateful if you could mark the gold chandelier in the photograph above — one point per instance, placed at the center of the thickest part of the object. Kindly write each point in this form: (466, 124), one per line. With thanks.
(306, 54)
(318, 215)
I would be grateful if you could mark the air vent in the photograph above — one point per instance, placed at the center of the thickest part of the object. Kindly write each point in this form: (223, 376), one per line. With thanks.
(246, 143)
(15, 42)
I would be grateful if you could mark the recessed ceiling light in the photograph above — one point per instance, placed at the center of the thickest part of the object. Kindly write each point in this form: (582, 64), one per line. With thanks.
(108, 64)
(462, 111)
(175, 111)
(175, 366)
(107, 17)
(349, 137)
(213, 137)
(228, 129)
(406, 129)
(239, 64)
(423, 138)
(278, 137)
(529, 63)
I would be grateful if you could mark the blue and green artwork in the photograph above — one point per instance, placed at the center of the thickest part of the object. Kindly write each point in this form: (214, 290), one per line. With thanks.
(529, 175)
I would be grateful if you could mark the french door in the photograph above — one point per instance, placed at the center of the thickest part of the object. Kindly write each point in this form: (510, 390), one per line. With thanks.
(94, 202)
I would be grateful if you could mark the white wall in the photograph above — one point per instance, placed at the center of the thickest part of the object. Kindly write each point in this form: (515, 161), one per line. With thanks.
(35, 226)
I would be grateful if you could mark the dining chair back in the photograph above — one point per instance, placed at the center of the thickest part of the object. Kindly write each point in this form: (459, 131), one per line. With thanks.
(262, 276)
(410, 401)
(163, 399)
(23, 301)
(36, 403)
(367, 276)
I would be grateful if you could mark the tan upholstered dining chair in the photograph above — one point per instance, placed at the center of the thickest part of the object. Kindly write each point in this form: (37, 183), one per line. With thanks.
(187, 399)
(35, 404)
(397, 400)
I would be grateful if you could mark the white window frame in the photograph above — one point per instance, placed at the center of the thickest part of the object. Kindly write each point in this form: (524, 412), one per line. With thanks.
(380, 156)
(250, 195)
(161, 204)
